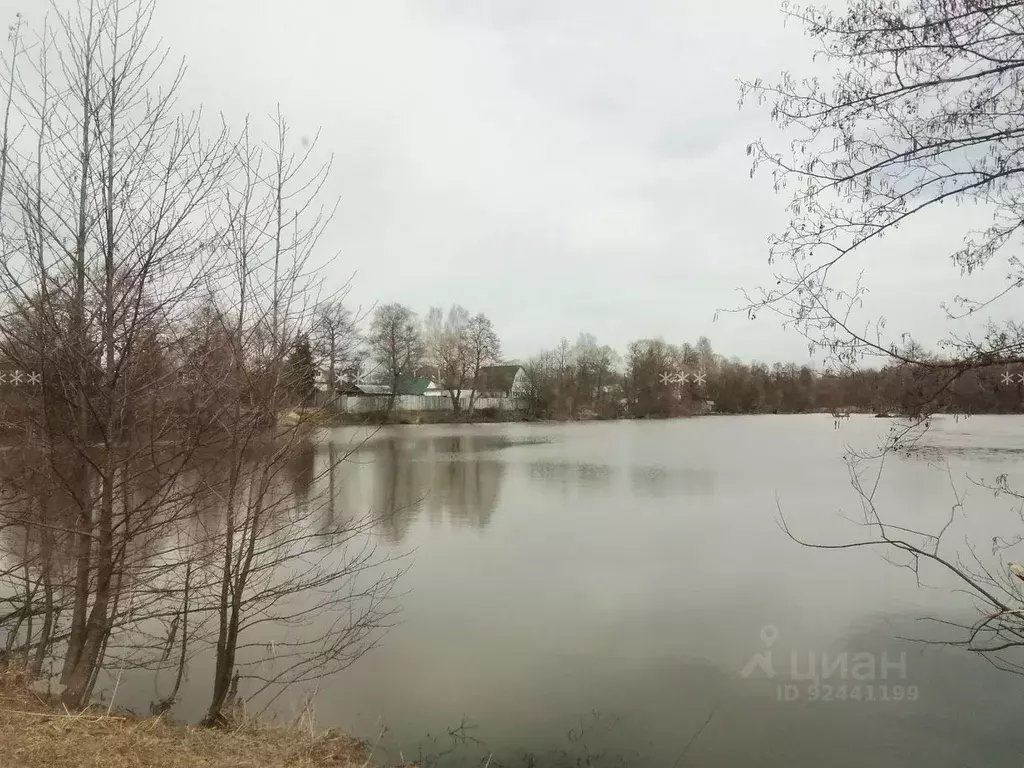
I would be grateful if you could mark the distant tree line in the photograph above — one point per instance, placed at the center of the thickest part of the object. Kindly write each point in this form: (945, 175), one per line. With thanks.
(657, 379)
(652, 379)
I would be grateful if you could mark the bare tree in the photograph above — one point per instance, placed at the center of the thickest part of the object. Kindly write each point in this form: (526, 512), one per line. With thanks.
(651, 365)
(447, 349)
(594, 366)
(396, 344)
(562, 381)
(921, 107)
(153, 280)
(923, 110)
(985, 573)
(336, 340)
(275, 568)
(103, 211)
(483, 347)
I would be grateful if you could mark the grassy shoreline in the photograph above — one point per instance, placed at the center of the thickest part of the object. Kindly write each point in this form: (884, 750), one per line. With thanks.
(36, 732)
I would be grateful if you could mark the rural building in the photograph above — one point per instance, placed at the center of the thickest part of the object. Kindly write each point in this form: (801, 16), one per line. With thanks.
(413, 385)
(361, 389)
(404, 386)
(501, 381)
(499, 387)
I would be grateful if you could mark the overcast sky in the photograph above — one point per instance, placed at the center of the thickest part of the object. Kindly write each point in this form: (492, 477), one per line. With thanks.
(561, 165)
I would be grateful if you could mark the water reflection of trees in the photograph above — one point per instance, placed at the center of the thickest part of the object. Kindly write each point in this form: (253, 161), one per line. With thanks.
(166, 569)
(301, 468)
(581, 474)
(397, 477)
(38, 547)
(664, 481)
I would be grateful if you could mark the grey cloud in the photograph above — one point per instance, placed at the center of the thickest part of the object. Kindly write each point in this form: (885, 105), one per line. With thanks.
(562, 166)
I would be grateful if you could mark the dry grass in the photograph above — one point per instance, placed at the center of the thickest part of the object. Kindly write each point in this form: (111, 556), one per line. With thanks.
(37, 733)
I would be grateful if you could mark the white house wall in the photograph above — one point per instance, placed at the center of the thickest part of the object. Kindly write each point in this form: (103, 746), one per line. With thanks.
(366, 404)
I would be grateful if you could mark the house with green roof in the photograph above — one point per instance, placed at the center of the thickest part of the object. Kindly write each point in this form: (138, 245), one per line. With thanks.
(409, 385)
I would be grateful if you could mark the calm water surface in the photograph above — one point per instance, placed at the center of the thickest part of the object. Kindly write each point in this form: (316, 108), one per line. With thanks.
(616, 578)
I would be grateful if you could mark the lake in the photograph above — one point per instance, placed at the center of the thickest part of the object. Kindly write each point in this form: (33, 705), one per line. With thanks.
(601, 588)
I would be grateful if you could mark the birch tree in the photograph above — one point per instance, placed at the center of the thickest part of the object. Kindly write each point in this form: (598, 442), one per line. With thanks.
(447, 349)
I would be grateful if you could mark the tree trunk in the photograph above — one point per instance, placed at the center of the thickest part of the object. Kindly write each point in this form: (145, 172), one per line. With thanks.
(332, 363)
(391, 395)
(227, 642)
(80, 606)
(225, 657)
(83, 569)
(46, 632)
(79, 682)
(456, 398)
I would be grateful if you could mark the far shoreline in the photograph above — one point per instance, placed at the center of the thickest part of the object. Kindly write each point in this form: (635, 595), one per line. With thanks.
(428, 418)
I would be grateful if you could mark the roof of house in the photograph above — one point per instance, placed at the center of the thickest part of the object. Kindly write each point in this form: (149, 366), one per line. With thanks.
(404, 386)
(496, 378)
(366, 389)
(428, 372)
(412, 386)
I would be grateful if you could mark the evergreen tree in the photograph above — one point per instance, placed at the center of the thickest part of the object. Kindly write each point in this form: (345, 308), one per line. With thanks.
(300, 371)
